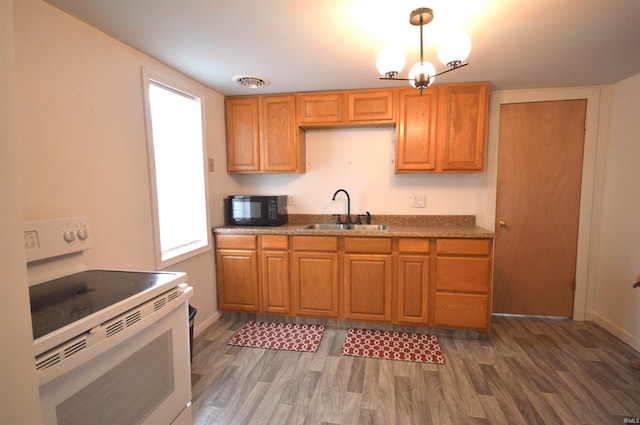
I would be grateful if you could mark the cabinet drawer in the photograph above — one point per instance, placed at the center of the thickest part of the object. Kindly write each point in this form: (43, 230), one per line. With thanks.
(315, 243)
(369, 245)
(463, 274)
(236, 241)
(417, 245)
(463, 246)
(275, 241)
(462, 311)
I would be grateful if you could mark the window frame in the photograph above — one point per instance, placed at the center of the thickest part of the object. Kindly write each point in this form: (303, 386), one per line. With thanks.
(188, 89)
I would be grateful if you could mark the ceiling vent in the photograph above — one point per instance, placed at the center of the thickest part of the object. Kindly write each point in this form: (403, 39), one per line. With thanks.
(250, 81)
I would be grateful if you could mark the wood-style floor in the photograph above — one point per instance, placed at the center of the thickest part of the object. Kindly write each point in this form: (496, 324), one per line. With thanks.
(526, 371)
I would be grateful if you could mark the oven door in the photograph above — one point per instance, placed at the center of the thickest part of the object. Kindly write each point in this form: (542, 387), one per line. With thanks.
(141, 378)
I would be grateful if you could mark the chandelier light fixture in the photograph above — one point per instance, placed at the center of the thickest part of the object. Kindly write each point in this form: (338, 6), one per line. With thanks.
(453, 51)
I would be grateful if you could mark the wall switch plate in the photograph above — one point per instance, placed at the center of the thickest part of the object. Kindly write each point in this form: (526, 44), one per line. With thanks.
(416, 201)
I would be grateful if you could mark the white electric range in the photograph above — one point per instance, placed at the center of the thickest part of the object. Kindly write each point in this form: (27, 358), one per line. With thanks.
(112, 347)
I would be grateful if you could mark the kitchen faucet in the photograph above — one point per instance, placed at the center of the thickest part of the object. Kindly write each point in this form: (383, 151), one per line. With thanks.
(348, 205)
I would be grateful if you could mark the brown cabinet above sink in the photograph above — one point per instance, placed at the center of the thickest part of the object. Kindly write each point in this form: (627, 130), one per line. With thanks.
(442, 130)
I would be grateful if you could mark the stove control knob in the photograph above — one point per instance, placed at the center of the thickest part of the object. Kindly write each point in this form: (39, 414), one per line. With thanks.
(83, 234)
(69, 236)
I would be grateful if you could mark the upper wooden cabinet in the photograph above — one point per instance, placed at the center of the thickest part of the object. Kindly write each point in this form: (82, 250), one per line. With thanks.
(416, 130)
(346, 108)
(462, 126)
(444, 130)
(243, 134)
(263, 135)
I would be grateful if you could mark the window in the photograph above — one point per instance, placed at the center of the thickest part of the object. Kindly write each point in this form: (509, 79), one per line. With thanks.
(177, 171)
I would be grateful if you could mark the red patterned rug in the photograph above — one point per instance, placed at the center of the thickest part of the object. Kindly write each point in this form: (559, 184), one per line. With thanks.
(390, 345)
(279, 336)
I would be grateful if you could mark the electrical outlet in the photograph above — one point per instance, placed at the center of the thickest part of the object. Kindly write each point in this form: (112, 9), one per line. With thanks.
(211, 165)
(291, 200)
(416, 201)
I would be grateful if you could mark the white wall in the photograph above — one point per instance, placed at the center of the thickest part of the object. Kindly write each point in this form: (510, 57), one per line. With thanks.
(81, 128)
(19, 402)
(617, 253)
(361, 162)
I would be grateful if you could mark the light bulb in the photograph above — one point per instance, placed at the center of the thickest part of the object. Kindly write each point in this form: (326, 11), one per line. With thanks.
(425, 68)
(390, 61)
(454, 48)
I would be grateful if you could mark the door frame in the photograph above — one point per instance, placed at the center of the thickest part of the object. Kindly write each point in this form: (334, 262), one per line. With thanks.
(589, 173)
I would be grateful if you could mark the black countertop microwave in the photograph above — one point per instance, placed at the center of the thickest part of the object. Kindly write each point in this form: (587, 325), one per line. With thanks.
(256, 210)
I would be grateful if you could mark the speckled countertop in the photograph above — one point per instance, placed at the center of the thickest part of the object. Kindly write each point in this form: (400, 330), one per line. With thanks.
(414, 226)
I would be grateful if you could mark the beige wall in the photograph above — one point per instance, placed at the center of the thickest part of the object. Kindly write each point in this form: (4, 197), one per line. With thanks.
(81, 129)
(616, 250)
(362, 162)
(19, 402)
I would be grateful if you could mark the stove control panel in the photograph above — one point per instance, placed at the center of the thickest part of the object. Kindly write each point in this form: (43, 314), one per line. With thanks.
(52, 238)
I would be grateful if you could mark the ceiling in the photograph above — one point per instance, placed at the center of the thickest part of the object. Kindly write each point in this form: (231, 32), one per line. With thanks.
(308, 45)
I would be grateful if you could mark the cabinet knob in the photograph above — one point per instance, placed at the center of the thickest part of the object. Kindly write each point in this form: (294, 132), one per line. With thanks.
(503, 223)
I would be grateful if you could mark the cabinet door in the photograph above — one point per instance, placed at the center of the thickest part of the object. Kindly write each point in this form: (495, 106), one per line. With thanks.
(276, 282)
(370, 107)
(275, 274)
(281, 139)
(462, 126)
(413, 289)
(416, 130)
(315, 284)
(367, 279)
(243, 140)
(325, 108)
(238, 283)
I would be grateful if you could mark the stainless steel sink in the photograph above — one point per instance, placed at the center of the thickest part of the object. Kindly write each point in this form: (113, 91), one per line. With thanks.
(329, 226)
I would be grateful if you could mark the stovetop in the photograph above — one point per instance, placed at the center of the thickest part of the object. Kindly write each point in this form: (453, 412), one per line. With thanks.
(73, 304)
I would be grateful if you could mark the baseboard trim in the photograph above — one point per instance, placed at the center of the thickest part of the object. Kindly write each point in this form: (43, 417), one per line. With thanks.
(197, 330)
(614, 329)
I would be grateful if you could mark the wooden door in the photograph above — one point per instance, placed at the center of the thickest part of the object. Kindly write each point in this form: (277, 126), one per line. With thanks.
(538, 201)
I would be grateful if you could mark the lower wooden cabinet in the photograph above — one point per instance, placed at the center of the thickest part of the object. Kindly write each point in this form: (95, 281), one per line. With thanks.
(412, 282)
(315, 276)
(275, 272)
(463, 284)
(237, 272)
(368, 279)
(416, 281)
